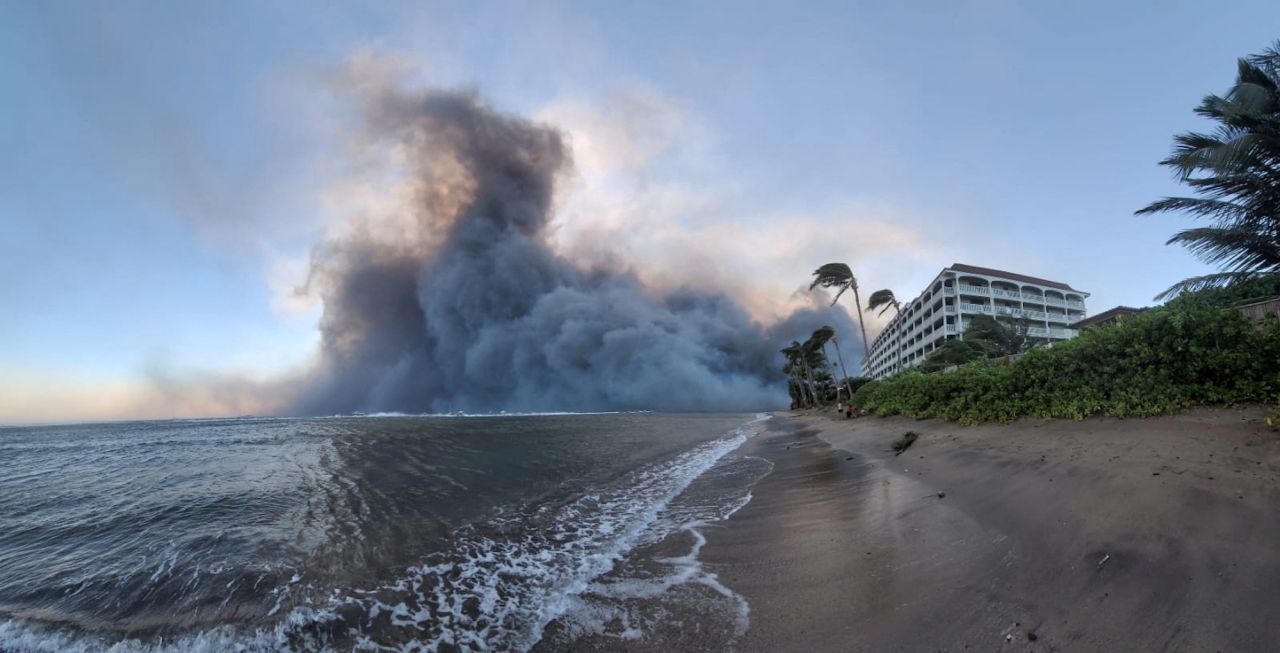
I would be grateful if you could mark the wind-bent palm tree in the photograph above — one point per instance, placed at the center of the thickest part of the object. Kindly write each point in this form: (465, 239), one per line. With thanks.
(838, 275)
(827, 333)
(1235, 172)
(795, 365)
(812, 356)
(883, 298)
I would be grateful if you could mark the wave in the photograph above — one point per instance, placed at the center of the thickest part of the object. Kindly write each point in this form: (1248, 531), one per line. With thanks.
(497, 587)
(501, 413)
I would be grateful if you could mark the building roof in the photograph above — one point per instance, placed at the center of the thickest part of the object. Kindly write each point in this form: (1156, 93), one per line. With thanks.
(991, 272)
(1107, 315)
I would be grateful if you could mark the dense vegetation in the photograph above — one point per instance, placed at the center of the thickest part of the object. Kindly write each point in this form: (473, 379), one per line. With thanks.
(1168, 358)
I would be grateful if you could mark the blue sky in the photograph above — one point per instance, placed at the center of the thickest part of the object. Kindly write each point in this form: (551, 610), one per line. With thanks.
(164, 167)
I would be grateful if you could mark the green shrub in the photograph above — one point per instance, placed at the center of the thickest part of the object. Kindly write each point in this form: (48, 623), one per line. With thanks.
(855, 382)
(1155, 363)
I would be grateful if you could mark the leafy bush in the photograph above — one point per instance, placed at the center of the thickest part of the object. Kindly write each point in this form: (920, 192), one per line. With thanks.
(855, 382)
(1155, 363)
(952, 352)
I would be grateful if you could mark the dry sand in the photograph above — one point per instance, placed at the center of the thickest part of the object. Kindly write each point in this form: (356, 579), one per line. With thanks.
(1101, 535)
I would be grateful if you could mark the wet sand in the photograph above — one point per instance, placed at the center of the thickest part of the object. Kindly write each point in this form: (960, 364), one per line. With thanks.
(1102, 535)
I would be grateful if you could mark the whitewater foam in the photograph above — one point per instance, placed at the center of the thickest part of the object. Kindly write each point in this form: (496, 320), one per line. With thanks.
(497, 587)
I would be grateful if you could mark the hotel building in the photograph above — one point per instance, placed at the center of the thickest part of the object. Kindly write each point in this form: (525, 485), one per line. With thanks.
(957, 295)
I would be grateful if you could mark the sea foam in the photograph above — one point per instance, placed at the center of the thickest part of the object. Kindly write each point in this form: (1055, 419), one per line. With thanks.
(496, 588)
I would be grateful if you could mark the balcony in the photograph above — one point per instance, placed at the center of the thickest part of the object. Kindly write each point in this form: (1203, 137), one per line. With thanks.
(975, 308)
(1000, 292)
(1039, 299)
(1075, 305)
(1055, 301)
(1020, 312)
(973, 290)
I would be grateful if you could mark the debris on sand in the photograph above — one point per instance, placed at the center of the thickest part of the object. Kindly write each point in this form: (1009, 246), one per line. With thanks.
(904, 442)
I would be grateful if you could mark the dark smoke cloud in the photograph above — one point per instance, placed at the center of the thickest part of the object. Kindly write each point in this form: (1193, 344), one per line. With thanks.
(468, 308)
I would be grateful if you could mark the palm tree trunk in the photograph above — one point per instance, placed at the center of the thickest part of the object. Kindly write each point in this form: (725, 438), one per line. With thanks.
(801, 392)
(835, 380)
(813, 389)
(848, 386)
(866, 348)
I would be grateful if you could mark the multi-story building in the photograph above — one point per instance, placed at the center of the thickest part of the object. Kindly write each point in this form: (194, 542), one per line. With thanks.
(958, 294)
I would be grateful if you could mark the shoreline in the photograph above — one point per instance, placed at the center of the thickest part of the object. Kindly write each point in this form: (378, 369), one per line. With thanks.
(1103, 534)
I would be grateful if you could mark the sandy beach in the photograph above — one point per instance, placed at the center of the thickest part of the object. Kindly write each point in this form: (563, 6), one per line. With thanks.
(1099, 535)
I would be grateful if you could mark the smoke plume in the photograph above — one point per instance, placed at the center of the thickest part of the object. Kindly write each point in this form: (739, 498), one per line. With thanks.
(463, 305)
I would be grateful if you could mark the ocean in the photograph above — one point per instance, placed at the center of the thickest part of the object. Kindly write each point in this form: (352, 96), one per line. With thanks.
(386, 533)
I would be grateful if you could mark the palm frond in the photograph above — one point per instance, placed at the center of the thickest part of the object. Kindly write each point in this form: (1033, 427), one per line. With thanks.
(1235, 175)
(834, 275)
(882, 298)
(1204, 282)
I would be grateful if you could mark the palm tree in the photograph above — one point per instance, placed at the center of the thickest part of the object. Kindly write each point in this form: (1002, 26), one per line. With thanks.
(795, 365)
(794, 389)
(886, 299)
(883, 298)
(820, 368)
(1235, 173)
(828, 333)
(838, 275)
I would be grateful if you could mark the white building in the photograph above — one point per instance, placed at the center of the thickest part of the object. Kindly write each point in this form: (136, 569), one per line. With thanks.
(961, 292)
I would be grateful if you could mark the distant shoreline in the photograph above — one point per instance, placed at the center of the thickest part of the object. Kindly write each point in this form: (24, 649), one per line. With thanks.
(1102, 534)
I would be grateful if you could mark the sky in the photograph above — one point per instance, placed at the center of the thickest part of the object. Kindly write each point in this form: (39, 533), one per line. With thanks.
(166, 168)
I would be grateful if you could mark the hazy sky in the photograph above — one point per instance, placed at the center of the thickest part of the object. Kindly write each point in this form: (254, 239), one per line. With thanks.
(166, 167)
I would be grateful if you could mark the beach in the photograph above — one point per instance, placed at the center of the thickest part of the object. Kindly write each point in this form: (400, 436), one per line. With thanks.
(1103, 534)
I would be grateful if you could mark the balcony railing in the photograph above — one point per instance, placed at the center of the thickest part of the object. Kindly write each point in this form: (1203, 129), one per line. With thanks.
(975, 308)
(1020, 312)
(1000, 292)
(1055, 301)
(977, 290)
(1075, 304)
(1041, 332)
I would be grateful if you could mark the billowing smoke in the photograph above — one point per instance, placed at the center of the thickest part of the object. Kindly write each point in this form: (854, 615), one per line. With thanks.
(465, 306)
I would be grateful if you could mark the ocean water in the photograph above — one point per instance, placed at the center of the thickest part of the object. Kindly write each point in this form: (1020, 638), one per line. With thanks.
(386, 533)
